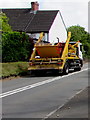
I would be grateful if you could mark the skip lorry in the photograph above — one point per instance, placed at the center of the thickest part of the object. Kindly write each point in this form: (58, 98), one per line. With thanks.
(59, 58)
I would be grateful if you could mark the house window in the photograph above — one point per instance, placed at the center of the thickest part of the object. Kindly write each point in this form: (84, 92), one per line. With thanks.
(36, 36)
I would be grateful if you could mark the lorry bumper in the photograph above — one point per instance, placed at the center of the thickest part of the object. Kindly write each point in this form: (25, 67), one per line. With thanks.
(46, 68)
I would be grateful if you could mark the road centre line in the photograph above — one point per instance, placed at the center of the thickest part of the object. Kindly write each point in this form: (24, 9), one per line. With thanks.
(37, 84)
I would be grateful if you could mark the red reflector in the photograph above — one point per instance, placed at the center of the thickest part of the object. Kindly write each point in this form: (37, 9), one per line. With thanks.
(30, 64)
(59, 63)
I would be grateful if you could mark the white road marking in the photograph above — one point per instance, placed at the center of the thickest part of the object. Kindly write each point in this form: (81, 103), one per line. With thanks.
(37, 84)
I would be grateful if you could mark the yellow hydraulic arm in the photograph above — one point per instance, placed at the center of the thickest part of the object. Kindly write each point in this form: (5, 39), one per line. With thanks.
(39, 40)
(73, 46)
(72, 50)
(65, 51)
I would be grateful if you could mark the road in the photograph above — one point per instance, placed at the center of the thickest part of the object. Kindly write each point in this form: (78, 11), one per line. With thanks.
(38, 97)
(76, 107)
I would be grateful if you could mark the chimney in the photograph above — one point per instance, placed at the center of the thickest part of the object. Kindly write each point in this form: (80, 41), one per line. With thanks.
(34, 6)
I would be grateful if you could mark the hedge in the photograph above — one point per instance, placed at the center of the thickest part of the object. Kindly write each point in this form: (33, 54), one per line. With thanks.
(16, 47)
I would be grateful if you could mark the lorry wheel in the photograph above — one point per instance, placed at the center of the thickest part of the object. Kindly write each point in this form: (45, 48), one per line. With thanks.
(66, 69)
(81, 62)
(77, 69)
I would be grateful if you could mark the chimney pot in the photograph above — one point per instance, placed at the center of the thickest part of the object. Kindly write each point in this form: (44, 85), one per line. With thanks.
(35, 6)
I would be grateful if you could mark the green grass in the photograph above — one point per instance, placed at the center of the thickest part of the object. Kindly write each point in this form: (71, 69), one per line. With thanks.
(14, 68)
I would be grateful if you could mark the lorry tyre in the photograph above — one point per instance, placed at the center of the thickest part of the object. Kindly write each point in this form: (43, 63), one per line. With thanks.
(66, 69)
(81, 62)
(77, 69)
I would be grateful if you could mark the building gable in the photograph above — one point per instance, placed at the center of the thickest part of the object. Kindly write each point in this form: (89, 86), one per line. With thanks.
(58, 30)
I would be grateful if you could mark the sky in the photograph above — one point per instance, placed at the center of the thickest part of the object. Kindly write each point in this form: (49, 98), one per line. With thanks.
(74, 12)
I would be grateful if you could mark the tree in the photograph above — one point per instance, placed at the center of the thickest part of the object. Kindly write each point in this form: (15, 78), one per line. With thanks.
(4, 26)
(78, 33)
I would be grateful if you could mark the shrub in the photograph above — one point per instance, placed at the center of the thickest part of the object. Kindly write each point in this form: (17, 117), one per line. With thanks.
(16, 46)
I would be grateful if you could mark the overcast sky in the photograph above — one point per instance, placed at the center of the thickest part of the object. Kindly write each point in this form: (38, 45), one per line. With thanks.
(74, 12)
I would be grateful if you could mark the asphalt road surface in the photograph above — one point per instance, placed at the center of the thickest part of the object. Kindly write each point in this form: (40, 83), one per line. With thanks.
(77, 107)
(39, 97)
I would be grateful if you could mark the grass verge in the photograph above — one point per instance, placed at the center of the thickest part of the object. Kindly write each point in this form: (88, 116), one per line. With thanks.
(14, 69)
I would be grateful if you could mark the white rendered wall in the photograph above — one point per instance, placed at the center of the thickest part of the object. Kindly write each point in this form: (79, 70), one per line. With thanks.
(57, 30)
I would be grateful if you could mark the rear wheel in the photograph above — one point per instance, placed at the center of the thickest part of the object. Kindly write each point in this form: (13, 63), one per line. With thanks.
(79, 66)
(81, 62)
(77, 69)
(66, 69)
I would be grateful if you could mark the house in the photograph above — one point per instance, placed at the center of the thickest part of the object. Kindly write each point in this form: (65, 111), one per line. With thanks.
(34, 21)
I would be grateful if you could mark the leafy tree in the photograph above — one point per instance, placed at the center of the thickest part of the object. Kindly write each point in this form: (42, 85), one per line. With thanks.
(4, 26)
(78, 33)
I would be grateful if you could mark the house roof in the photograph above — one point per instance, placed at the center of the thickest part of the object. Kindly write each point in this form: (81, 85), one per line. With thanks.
(26, 21)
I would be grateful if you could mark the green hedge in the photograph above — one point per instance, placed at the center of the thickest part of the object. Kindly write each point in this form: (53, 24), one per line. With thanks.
(14, 68)
(16, 47)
